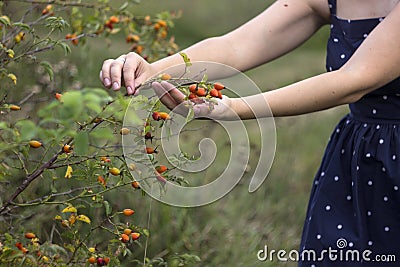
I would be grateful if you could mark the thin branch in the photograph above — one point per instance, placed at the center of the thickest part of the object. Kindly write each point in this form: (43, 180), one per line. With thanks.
(55, 2)
(32, 93)
(29, 179)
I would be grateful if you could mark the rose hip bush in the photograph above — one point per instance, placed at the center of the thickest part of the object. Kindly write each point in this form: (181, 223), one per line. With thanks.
(60, 142)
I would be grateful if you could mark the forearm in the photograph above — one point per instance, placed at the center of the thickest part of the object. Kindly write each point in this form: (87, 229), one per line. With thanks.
(314, 94)
(279, 29)
(214, 49)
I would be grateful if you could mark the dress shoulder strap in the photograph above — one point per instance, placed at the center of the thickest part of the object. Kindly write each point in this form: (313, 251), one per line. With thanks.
(332, 6)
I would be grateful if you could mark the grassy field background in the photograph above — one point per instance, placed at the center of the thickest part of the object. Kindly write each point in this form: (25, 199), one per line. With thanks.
(230, 231)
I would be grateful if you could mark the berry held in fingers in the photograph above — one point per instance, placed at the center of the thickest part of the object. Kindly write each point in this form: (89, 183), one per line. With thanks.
(164, 116)
(165, 77)
(156, 116)
(219, 86)
(201, 92)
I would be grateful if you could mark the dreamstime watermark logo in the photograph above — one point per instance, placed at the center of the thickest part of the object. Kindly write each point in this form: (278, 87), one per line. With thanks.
(342, 253)
(262, 129)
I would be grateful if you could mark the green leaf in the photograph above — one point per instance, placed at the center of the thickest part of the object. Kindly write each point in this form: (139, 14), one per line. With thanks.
(56, 23)
(205, 78)
(22, 25)
(65, 47)
(104, 133)
(48, 68)
(94, 106)
(27, 129)
(5, 20)
(81, 146)
(124, 6)
(146, 232)
(108, 208)
(3, 125)
(190, 115)
(72, 105)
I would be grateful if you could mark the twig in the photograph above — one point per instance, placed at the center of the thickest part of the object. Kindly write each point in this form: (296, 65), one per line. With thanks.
(54, 2)
(29, 179)
(27, 98)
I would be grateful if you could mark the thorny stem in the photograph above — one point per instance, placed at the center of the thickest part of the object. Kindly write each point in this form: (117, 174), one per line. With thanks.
(29, 179)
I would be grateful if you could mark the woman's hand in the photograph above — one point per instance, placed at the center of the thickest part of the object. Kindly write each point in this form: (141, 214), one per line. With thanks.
(129, 70)
(174, 100)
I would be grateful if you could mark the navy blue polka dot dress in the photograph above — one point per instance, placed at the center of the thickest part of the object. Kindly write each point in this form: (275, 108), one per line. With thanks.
(354, 206)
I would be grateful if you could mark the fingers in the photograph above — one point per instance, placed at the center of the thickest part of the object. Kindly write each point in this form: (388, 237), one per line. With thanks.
(133, 72)
(111, 72)
(163, 94)
(129, 70)
(105, 73)
(171, 97)
(116, 73)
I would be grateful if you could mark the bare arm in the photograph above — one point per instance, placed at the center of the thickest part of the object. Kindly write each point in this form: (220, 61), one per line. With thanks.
(374, 64)
(279, 29)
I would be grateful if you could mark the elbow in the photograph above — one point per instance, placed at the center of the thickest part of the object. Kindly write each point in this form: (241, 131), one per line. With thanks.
(358, 83)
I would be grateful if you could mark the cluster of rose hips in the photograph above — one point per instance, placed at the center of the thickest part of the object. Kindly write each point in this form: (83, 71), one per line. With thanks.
(206, 90)
(73, 38)
(195, 90)
(160, 27)
(111, 21)
(100, 261)
(35, 242)
(125, 237)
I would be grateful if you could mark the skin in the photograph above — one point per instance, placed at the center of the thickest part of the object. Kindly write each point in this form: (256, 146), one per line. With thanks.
(279, 29)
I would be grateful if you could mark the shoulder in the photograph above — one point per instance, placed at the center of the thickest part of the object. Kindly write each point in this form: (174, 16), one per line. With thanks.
(321, 8)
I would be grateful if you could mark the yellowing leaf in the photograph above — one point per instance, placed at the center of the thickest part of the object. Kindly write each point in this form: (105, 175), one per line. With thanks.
(5, 20)
(186, 59)
(83, 218)
(69, 209)
(10, 53)
(68, 173)
(12, 77)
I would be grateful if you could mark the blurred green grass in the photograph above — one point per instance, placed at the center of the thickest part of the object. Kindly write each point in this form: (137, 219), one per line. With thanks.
(230, 231)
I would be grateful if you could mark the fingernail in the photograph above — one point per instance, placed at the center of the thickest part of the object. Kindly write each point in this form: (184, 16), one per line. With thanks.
(115, 86)
(129, 90)
(107, 82)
